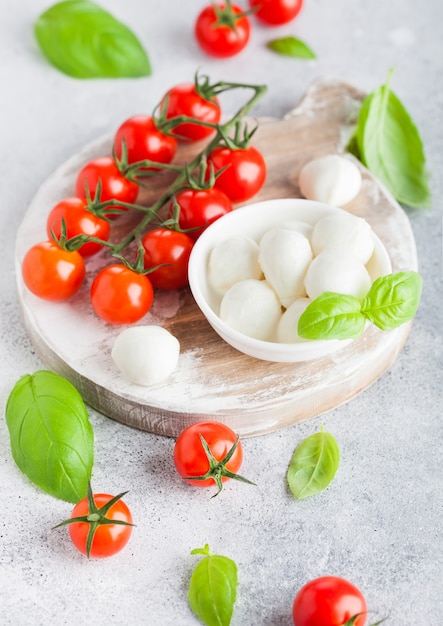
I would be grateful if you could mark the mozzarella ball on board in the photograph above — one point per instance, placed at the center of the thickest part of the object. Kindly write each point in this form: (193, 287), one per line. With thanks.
(146, 355)
(331, 179)
(231, 261)
(285, 255)
(251, 307)
(287, 331)
(332, 270)
(353, 235)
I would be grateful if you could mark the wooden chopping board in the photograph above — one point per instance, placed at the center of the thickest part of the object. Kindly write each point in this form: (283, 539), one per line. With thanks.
(213, 380)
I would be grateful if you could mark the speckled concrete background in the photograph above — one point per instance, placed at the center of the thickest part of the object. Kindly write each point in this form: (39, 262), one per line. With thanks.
(379, 522)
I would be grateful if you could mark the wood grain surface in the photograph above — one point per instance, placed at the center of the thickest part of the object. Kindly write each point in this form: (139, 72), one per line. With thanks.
(213, 380)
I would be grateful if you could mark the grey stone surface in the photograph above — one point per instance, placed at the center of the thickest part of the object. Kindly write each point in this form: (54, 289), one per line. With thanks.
(379, 522)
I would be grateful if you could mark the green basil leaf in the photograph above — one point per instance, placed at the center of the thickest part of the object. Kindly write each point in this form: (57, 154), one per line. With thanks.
(292, 47)
(52, 441)
(389, 144)
(84, 41)
(313, 465)
(213, 588)
(332, 316)
(393, 299)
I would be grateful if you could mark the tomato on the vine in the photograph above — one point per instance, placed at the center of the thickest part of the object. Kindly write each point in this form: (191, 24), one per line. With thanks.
(78, 221)
(90, 525)
(119, 295)
(144, 141)
(222, 30)
(245, 171)
(208, 452)
(170, 249)
(276, 12)
(329, 601)
(114, 186)
(186, 100)
(199, 208)
(52, 273)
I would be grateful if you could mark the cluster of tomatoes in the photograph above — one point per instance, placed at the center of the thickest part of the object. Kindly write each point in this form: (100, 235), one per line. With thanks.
(78, 227)
(223, 30)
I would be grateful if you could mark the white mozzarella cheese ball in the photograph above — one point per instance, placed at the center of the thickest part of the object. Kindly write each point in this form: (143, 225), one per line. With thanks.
(146, 355)
(351, 234)
(287, 331)
(331, 179)
(285, 255)
(332, 270)
(302, 227)
(231, 261)
(251, 307)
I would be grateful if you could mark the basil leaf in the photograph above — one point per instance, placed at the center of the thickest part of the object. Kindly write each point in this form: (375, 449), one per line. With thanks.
(393, 299)
(332, 316)
(313, 465)
(52, 440)
(84, 41)
(292, 47)
(213, 588)
(389, 144)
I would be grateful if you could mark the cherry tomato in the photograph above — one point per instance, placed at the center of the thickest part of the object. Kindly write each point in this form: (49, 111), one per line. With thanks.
(52, 273)
(108, 539)
(191, 459)
(78, 221)
(171, 248)
(185, 100)
(328, 601)
(222, 30)
(199, 208)
(121, 296)
(276, 12)
(114, 186)
(245, 172)
(144, 141)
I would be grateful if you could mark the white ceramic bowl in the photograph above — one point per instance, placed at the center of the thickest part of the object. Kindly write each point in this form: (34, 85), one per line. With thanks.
(254, 220)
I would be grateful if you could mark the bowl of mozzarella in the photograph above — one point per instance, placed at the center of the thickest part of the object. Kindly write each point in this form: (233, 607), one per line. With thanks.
(254, 271)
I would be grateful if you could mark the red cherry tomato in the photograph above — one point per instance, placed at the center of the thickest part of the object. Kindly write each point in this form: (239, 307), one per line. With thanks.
(328, 601)
(108, 538)
(276, 12)
(185, 100)
(198, 209)
(78, 221)
(114, 186)
(121, 296)
(245, 171)
(52, 273)
(222, 31)
(190, 457)
(144, 141)
(172, 250)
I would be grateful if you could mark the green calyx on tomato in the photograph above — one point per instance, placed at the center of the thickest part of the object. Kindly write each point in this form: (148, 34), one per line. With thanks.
(228, 16)
(217, 469)
(100, 517)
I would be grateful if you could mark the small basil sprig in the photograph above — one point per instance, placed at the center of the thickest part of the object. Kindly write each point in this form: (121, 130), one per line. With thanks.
(52, 441)
(292, 47)
(84, 41)
(388, 143)
(391, 301)
(313, 465)
(213, 588)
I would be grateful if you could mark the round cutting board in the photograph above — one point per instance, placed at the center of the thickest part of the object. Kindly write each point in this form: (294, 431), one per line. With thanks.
(213, 380)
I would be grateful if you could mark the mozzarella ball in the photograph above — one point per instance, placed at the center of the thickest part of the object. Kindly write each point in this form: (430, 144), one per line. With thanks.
(331, 179)
(251, 307)
(302, 227)
(332, 270)
(231, 261)
(287, 330)
(285, 255)
(146, 355)
(351, 234)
